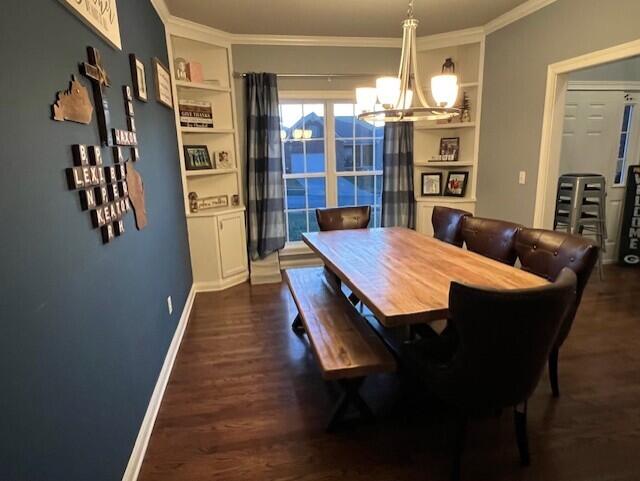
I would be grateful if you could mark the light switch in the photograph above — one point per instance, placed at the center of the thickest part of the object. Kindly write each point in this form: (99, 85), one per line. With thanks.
(522, 179)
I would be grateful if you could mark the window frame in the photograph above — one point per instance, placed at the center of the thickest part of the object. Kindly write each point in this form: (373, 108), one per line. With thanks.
(331, 175)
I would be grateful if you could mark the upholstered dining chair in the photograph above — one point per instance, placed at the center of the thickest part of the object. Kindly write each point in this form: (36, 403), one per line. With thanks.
(492, 238)
(447, 224)
(338, 218)
(545, 253)
(505, 340)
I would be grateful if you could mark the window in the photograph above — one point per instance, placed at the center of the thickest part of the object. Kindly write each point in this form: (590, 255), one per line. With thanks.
(330, 158)
(621, 165)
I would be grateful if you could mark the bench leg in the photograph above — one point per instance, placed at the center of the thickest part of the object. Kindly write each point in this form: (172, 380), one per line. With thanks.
(350, 397)
(297, 327)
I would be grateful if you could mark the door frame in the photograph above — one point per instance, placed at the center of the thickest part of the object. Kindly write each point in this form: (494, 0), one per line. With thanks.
(552, 122)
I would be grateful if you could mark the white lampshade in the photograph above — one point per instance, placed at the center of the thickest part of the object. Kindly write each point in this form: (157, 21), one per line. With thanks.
(366, 98)
(444, 89)
(388, 90)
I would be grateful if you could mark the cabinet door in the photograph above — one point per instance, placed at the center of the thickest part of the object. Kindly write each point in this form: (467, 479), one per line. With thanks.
(233, 247)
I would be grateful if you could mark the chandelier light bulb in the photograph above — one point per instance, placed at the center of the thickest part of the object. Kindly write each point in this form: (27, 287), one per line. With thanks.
(388, 90)
(366, 98)
(444, 89)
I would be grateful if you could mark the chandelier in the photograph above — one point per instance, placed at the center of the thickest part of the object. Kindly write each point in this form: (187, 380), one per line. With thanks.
(392, 99)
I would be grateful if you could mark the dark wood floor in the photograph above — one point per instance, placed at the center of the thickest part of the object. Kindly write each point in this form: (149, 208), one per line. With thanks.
(245, 402)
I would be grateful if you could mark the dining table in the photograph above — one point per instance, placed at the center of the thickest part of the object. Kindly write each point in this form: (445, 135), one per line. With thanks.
(403, 276)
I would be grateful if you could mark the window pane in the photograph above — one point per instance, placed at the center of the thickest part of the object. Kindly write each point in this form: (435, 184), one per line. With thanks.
(379, 132)
(344, 155)
(378, 150)
(626, 118)
(297, 225)
(364, 129)
(378, 190)
(295, 194)
(346, 191)
(315, 155)
(623, 146)
(313, 121)
(290, 118)
(316, 193)
(365, 190)
(293, 158)
(343, 120)
(364, 155)
(313, 221)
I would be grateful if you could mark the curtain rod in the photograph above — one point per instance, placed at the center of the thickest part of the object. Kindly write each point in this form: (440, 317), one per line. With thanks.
(317, 75)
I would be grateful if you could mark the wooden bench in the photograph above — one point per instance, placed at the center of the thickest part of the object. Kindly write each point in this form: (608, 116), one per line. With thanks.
(344, 344)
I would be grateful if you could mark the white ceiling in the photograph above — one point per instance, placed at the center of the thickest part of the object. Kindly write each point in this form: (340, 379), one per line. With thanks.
(348, 18)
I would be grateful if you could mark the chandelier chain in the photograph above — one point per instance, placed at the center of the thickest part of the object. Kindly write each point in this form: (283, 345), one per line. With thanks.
(410, 9)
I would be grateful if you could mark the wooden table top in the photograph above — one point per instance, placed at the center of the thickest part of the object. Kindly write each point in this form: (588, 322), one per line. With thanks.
(404, 276)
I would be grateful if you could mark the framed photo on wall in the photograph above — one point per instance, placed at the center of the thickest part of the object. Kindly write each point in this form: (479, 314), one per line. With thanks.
(162, 83)
(196, 157)
(138, 77)
(449, 148)
(456, 184)
(431, 184)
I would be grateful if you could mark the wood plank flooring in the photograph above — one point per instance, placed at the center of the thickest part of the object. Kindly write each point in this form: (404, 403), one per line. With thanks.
(246, 402)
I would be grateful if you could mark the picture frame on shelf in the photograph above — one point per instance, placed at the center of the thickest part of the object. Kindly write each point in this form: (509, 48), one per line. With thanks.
(456, 185)
(196, 157)
(162, 83)
(431, 184)
(224, 160)
(449, 148)
(138, 78)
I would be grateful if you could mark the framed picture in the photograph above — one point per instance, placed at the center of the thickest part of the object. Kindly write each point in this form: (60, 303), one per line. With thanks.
(139, 78)
(196, 157)
(223, 160)
(449, 148)
(431, 184)
(162, 82)
(456, 184)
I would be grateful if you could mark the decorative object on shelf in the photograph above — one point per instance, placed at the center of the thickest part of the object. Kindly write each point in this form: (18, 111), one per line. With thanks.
(392, 98)
(196, 157)
(224, 160)
(456, 184)
(449, 149)
(194, 72)
(136, 194)
(73, 104)
(138, 77)
(180, 66)
(629, 254)
(465, 116)
(101, 17)
(162, 82)
(194, 113)
(95, 71)
(193, 202)
(235, 200)
(431, 184)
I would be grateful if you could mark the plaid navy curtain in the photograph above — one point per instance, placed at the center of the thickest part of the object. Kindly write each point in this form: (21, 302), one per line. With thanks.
(398, 202)
(265, 186)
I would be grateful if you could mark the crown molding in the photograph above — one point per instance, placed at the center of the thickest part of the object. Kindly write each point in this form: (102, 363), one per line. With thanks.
(196, 31)
(448, 39)
(521, 11)
(162, 9)
(315, 41)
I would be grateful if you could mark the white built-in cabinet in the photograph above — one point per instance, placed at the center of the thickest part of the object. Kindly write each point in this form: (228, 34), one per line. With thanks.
(217, 237)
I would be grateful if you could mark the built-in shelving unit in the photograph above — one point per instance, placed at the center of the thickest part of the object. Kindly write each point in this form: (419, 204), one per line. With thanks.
(468, 58)
(217, 237)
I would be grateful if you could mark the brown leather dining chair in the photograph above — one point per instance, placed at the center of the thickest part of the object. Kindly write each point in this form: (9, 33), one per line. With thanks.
(338, 218)
(505, 340)
(447, 224)
(545, 253)
(491, 238)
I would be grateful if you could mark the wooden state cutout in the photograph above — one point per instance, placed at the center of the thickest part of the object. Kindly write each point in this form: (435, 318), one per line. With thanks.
(73, 104)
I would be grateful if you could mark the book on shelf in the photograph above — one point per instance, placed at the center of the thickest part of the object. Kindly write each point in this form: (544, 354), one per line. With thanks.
(194, 113)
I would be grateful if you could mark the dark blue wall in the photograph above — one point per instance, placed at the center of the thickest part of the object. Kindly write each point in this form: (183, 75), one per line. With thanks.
(84, 327)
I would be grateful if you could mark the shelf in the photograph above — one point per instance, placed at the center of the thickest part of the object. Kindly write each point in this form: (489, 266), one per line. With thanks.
(451, 165)
(205, 130)
(204, 173)
(185, 84)
(215, 212)
(457, 125)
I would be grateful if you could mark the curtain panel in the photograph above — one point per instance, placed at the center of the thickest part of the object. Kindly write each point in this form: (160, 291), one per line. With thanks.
(398, 201)
(265, 185)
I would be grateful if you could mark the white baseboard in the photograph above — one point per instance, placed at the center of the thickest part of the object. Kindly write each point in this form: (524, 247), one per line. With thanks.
(142, 441)
(222, 284)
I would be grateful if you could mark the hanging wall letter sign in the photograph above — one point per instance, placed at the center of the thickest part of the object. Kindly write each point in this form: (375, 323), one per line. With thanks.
(629, 252)
(101, 16)
(95, 71)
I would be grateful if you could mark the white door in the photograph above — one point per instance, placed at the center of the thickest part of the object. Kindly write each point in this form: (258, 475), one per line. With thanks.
(593, 143)
(233, 251)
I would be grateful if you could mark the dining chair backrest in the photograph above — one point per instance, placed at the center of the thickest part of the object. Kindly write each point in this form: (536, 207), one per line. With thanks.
(343, 218)
(491, 238)
(504, 341)
(447, 224)
(545, 253)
